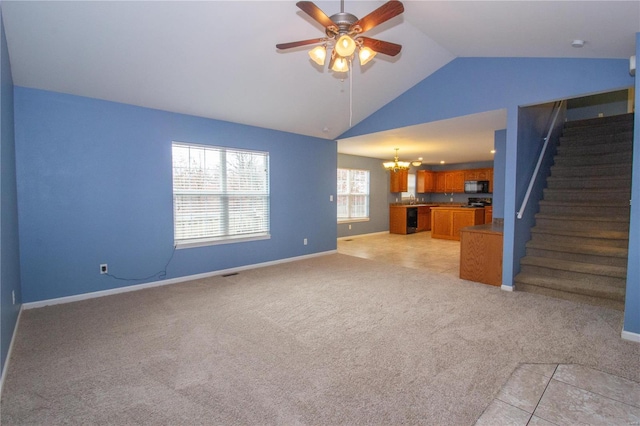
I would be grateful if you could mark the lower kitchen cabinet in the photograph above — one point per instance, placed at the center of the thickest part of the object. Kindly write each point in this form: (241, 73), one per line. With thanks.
(398, 218)
(446, 222)
(424, 219)
(481, 254)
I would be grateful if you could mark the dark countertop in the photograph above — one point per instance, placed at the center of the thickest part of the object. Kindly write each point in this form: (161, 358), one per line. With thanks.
(465, 207)
(487, 228)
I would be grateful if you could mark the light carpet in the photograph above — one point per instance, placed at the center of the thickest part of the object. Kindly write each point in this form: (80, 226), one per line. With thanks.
(324, 341)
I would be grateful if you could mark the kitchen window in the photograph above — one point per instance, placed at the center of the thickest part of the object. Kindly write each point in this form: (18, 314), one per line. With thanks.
(353, 195)
(220, 195)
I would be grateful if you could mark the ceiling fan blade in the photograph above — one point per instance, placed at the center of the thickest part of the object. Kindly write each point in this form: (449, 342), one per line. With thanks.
(300, 43)
(384, 47)
(316, 13)
(382, 14)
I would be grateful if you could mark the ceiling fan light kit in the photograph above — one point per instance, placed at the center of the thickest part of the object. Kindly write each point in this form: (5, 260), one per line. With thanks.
(318, 54)
(344, 34)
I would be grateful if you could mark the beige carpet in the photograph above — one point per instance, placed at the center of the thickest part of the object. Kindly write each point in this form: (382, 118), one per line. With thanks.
(329, 340)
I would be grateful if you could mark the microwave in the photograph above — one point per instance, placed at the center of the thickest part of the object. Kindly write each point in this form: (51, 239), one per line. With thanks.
(476, 186)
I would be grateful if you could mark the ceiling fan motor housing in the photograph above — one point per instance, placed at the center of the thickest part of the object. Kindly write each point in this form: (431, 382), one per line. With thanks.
(344, 21)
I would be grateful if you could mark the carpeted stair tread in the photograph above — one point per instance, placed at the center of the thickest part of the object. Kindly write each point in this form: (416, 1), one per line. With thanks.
(572, 286)
(607, 235)
(567, 265)
(600, 121)
(582, 218)
(585, 203)
(582, 249)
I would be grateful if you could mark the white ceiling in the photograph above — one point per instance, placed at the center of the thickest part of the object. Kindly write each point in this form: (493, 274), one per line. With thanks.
(217, 59)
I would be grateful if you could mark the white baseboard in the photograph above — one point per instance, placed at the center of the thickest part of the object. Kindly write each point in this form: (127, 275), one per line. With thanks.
(348, 237)
(136, 287)
(8, 358)
(507, 287)
(628, 335)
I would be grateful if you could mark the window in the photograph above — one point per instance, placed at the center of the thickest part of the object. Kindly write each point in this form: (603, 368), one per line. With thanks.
(353, 195)
(219, 194)
(411, 186)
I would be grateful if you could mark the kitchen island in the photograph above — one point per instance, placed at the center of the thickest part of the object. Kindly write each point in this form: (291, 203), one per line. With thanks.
(446, 222)
(481, 253)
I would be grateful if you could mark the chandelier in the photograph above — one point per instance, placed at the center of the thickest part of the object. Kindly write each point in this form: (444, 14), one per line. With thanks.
(396, 165)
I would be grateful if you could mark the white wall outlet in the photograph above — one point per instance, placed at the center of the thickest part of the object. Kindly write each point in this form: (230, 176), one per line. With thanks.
(103, 268)
(451, 199)
(330, 197)
(13, 296)
(304, 241)
(349, 226)
(600, 115)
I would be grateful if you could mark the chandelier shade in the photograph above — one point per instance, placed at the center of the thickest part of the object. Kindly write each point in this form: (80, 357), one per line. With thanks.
(396, 165)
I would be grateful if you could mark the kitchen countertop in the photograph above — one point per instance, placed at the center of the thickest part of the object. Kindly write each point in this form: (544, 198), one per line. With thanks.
(464, 207)
(415, 205)
(487, 228)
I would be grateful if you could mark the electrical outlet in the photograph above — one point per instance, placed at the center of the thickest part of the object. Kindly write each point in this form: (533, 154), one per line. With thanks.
(13, 296)
(349, 226)
(305, 241)
(330, 197)
(103, 268)
(451, 199)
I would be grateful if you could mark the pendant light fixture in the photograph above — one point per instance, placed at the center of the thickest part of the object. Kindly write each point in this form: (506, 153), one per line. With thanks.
(396, 165)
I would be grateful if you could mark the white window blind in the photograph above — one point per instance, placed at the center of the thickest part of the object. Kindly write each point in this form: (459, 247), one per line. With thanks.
(353, 194)
(219, 194)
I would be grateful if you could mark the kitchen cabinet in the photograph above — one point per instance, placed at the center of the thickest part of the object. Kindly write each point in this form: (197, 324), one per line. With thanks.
(488, 214)
(398, 218)
(398, 180)
(425, 181)
(446, 222)
(424, 219)
(481, 254)
(454, 181)
(440, 183)
(449, 181)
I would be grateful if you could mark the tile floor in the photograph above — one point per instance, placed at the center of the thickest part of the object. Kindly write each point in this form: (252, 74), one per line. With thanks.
(564, 394)
(535, 394)
(418, 251)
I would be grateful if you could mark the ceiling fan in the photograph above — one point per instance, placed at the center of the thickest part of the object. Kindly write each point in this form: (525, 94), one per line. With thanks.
(344, 34)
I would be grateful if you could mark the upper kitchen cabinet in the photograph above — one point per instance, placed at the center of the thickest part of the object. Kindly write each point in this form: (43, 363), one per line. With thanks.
(399, 180)
(425, 181)
(450, 181)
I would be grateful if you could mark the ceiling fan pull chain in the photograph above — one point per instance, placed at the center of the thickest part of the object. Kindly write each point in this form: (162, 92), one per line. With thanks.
(350, 92)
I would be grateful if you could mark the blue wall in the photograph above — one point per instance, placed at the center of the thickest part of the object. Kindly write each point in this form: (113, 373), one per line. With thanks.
(533, 126)
(9, 245)
(632, 301)
(500, 145)
(471, 85)
(95, 186)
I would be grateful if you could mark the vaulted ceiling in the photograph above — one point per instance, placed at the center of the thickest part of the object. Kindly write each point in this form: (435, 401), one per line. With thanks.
(218, 59)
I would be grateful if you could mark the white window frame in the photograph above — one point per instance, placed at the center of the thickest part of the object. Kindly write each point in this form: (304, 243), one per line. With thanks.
(350, 196)
(204, 187)
(411, 187)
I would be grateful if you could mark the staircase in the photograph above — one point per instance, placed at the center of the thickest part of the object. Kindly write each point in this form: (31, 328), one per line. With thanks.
(578, 247)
